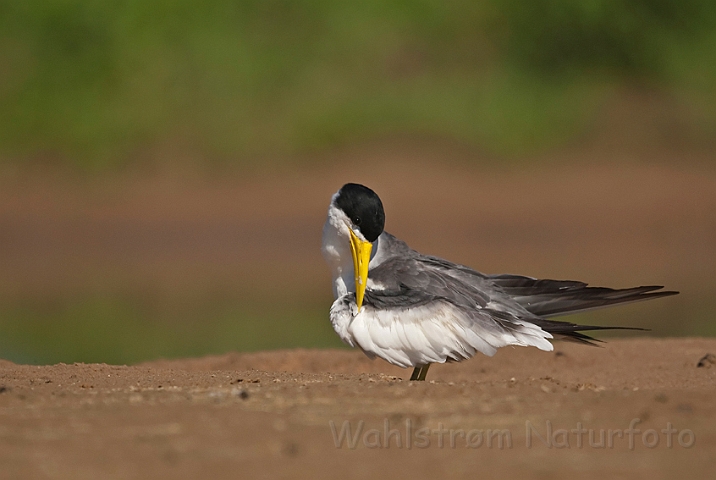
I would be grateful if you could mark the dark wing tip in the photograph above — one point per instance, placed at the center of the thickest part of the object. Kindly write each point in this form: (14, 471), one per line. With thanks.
(573, 332)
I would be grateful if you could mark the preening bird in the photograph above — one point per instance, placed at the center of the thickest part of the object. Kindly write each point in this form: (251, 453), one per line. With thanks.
(412, 309)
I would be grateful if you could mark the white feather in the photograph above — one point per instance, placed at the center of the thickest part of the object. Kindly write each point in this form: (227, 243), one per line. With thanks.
(431, 333)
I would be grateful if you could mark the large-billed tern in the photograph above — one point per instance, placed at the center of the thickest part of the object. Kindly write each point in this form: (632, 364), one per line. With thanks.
(413, 310)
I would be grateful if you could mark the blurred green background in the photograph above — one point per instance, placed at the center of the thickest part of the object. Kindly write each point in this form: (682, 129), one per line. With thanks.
(125, 126)
(239, 81)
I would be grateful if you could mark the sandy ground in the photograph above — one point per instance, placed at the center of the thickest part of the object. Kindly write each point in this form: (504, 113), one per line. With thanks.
(523, 413)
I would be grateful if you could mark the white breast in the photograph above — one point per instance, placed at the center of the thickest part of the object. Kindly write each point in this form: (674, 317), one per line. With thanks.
(432, 333)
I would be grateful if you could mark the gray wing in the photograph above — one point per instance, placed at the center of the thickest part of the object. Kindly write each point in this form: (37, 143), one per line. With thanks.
(550, 298)
(454, 308)
(411, 279)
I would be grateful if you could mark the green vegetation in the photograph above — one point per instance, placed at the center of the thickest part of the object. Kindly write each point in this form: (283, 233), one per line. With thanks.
(94, 83)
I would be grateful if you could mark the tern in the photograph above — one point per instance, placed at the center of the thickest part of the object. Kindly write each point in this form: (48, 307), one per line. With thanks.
(413, 310)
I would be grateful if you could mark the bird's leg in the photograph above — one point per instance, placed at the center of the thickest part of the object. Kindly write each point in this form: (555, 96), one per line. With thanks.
(423, 372)
(419, 373)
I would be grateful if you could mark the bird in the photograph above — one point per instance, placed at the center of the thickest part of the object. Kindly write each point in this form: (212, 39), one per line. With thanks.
(413, 310)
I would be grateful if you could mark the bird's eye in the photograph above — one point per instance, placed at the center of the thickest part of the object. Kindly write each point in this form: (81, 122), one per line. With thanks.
(356, 221)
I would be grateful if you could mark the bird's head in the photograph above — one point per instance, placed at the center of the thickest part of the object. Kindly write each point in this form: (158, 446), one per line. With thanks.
(357, 214)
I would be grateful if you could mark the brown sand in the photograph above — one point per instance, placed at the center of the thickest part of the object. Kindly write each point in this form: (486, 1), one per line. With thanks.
(268, 414)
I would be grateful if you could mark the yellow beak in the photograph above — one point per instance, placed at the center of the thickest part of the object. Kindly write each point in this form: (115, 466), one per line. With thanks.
(361, 258)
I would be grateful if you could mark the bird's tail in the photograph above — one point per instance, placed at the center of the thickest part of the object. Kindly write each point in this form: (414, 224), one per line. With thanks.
(573, 332)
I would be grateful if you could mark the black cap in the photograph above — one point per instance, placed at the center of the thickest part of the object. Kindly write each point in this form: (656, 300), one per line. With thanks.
(363, 206)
